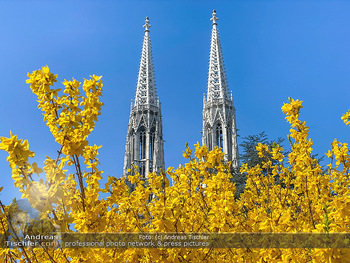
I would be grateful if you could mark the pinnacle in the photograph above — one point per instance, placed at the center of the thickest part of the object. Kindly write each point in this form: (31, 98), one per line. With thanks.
(217, 82)
(146, 90)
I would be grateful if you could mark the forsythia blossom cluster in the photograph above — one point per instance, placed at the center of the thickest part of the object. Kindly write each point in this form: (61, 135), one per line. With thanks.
(292, 194)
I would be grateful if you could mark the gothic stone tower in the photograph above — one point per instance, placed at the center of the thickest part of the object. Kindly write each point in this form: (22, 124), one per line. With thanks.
(219, 117)
(144, 139)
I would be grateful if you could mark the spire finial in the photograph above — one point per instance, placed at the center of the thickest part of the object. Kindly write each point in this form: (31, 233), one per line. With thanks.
(214, 18)
(147, 25)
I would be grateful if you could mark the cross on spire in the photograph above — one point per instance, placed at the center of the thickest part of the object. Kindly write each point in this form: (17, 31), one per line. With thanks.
(214, 18)
(147, 24)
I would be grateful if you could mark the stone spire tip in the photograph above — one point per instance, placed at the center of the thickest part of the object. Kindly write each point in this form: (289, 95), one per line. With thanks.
(147, 24)
(214, 18)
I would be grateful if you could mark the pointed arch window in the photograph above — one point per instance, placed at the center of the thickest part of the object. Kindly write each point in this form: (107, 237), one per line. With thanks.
(151, 148)
(142, 150)
(209, 138)
(142, 143)
(151, 143)
(132, 144)
(219, 136)
(229, 139)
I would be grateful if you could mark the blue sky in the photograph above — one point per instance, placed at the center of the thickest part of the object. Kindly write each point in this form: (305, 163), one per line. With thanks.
(272, 50)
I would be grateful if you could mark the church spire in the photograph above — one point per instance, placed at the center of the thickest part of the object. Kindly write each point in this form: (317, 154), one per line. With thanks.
(219, 115)
(144, 139)
(146, 88)
(217, 83)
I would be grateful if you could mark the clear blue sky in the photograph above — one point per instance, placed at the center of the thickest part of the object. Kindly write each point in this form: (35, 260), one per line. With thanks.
(272, 50)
